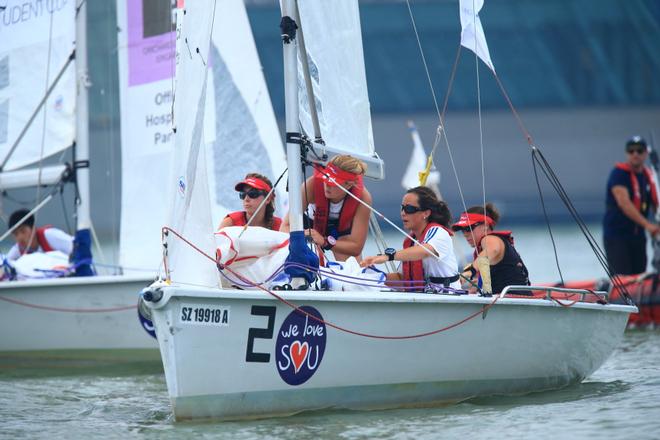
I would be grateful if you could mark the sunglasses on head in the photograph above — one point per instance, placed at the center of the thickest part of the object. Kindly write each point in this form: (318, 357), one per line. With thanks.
(638, 150)
(253, 194)
(410, 209)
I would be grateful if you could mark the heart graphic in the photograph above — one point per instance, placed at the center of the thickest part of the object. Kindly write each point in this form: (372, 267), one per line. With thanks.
(298, 353)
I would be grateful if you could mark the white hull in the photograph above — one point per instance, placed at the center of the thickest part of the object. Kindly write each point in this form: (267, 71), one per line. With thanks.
(522, 345)
(91, 313)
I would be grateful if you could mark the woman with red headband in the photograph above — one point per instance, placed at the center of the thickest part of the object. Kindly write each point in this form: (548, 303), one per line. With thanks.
(429, 261)
(497, 261)
(340, 222)
(252, 191)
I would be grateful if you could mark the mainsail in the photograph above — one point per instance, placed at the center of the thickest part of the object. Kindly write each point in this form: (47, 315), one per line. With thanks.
(36, 41)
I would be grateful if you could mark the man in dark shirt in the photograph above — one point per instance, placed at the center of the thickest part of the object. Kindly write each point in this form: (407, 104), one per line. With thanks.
(631, 195)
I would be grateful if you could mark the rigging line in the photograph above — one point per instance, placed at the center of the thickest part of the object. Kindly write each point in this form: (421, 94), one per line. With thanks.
(441, 127)
(112, 11)
(600, 255)
(263, 202)
(528, 136)
(481, 132)
(378, 213)
(421, 52)
(547, 220)
(43, 126)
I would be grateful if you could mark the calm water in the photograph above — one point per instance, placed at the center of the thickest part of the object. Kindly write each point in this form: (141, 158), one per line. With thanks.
(621, 400)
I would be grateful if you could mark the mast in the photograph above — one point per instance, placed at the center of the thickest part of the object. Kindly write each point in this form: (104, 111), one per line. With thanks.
(81, 159)
(293, 137)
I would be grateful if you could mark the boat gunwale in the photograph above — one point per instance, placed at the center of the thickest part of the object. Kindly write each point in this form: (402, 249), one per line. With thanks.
(73, 281)
(383, 296)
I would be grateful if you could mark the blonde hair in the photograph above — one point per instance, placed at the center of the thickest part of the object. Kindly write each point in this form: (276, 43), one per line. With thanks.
(350, 164)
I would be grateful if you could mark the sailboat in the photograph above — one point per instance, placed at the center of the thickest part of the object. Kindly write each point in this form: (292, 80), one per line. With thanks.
(254, 352)
(74, 315)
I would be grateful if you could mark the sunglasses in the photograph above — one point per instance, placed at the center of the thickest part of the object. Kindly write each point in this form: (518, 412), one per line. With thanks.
(640, 150)
(410, 209)
(470, 228)
(253, 194)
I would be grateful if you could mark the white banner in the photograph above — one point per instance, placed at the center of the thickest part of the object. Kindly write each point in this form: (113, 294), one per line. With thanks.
(472, 34)
(146, 71)
(31, 34)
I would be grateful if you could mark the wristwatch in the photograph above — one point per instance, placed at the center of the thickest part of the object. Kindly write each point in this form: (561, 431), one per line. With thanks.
(330, 242)
(390, 252)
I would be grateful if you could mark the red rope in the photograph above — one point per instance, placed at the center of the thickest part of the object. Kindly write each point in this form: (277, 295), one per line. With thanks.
(64, 309)
(329, 324)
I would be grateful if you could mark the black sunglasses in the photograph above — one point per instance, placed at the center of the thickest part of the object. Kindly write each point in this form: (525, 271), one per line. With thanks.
(253, 194)
(640, 150)
(410, 209)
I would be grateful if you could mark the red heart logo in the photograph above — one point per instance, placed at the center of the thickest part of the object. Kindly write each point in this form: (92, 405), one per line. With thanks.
(298, 353)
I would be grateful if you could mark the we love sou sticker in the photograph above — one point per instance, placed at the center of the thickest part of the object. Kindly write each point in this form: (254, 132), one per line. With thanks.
(300, 346)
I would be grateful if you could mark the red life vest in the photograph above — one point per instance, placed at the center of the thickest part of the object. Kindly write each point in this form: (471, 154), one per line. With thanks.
(414, 270)
(322, 211)
(637, 192)
(239, 218)
(41, 239)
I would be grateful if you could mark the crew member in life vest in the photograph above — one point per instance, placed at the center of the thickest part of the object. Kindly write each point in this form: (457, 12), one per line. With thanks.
(432, 261)
(631, 195)
(252, 190)
(30, 239)
(496, 261)
(340, 222)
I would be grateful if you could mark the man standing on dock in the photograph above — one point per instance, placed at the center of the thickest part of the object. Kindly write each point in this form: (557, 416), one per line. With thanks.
(631, 192)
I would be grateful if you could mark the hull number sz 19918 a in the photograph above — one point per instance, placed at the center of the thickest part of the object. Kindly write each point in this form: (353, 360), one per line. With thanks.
(201, 315)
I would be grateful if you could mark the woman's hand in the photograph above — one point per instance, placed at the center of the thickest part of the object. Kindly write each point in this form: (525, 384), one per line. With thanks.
(375, 259)
(318, 238)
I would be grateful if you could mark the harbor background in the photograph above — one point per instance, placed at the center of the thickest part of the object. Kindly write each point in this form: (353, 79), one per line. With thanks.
(582, 74)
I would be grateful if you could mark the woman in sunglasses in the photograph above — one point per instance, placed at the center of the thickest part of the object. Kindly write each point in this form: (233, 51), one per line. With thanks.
(340, 222)
(252, 191)
(495, 259)
(431, 260)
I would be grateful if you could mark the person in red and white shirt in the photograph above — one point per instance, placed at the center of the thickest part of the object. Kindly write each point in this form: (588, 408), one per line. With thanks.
(30, 239)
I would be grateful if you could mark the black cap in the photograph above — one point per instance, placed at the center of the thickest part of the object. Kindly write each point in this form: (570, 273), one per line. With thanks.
(636, 140)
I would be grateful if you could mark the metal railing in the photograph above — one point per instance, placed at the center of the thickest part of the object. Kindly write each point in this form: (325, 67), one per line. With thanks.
(582, 292)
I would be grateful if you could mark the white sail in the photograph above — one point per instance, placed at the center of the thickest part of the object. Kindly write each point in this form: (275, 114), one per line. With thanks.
(336, 63)
(190, 213)
(36, 40)
(146, 69)
(241, 131)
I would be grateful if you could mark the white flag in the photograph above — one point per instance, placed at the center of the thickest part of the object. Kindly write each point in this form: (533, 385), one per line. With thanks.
(472, 34)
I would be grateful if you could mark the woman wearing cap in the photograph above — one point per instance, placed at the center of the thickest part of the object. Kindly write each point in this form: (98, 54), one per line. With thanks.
(252, 191)
(340, 222)
(497, 261)
(432, 260)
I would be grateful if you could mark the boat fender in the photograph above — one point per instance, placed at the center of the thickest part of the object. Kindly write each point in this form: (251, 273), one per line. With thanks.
(144, 316)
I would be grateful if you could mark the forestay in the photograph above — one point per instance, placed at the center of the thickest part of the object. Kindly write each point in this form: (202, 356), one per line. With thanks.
(37, 39)
(336, 62)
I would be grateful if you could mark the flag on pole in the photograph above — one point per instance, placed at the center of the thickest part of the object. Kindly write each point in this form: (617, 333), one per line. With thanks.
(472, 34)
(417, 164)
